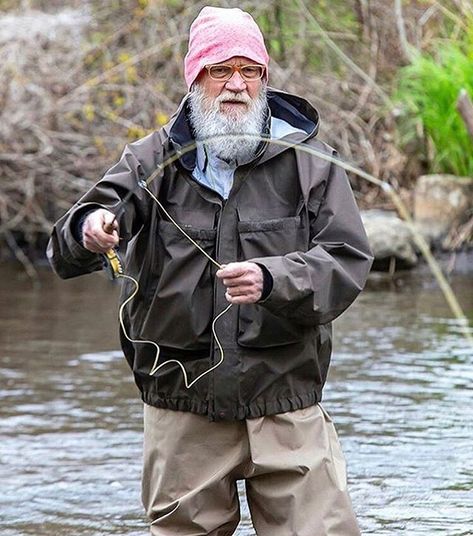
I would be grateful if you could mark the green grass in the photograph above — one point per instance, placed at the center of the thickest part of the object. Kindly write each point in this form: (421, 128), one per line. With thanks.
(427, 92)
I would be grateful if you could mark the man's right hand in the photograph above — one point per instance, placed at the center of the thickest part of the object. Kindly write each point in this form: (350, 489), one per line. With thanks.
(99, 234)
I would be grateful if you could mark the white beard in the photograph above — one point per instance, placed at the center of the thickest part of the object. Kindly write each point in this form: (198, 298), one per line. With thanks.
(230, 136)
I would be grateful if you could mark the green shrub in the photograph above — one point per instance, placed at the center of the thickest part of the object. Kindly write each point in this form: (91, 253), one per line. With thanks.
(427, 92)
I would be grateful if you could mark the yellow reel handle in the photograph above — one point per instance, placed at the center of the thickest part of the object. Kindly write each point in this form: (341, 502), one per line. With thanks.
(113, 264)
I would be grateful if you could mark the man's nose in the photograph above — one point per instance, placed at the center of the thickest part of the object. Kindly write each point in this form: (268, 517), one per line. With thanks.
(236, 83)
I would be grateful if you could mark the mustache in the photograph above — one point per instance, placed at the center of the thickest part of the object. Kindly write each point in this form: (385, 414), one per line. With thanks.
(235, 97)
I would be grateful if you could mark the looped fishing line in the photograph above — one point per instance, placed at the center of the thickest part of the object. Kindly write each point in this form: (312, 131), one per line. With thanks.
(402, 209)
(155, 366)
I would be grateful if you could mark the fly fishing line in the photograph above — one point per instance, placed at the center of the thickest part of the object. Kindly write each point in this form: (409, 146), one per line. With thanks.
(117, 269)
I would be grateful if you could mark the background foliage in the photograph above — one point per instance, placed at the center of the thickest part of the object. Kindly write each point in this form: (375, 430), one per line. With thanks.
(428, 91)
(80, 79)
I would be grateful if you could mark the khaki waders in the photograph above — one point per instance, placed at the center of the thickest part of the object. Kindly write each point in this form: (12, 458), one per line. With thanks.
(292, 464)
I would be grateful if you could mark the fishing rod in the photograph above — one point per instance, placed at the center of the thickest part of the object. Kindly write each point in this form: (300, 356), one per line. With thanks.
(112, 262)
(114, 265)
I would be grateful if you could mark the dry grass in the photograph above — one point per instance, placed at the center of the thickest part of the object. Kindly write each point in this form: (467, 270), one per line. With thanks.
(75, 88)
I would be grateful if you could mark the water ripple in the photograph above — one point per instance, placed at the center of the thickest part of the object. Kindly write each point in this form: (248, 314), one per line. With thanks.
(399, 391)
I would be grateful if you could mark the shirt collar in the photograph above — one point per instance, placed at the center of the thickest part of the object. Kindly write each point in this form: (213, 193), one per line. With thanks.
(204, 159)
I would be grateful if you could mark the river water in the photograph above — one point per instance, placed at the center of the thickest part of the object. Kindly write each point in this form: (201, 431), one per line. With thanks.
(400, 392)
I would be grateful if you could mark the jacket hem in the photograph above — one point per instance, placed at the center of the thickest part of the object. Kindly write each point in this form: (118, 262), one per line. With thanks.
(175, 404)
(240, 413)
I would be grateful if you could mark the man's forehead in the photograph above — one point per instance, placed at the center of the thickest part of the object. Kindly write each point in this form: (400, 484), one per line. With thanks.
(237, 60)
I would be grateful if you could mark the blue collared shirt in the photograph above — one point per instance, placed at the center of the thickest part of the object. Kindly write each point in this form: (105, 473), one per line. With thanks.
(218, 174)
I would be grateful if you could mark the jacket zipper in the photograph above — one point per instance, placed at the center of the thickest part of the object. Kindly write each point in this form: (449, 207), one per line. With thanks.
(212, 342)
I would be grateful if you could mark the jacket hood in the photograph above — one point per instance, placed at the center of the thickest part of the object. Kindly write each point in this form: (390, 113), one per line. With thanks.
(292, 109)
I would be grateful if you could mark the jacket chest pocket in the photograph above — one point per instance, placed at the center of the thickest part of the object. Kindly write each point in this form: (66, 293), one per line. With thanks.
(272, 231)
(277, 236)
(257, 327)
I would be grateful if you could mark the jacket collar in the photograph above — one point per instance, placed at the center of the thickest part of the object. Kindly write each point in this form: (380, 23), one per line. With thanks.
(293, 109)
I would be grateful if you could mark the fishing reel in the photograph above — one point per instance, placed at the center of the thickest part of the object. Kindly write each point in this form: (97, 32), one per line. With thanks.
(112, 264)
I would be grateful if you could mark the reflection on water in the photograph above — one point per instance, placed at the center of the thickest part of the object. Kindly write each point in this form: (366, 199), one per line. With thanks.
(70, 427)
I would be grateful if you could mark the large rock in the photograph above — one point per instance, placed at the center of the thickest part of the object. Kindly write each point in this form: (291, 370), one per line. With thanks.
(440, 203)
(390, 239)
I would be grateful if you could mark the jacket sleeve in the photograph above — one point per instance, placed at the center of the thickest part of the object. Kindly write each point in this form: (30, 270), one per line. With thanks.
(316, 286)
(65, 253)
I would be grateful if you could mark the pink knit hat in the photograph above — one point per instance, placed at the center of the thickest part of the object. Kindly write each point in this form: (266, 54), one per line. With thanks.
(218, 34)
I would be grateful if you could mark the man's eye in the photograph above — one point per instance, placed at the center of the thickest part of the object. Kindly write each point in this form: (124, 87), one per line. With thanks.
(251, 71)
(220, 71)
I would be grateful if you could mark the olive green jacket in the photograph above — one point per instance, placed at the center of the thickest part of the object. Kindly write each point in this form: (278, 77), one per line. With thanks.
(290, 211)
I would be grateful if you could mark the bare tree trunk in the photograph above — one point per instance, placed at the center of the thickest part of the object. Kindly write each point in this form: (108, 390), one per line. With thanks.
(401, 28)
(465, 108)
(278, 12)
(362, 13)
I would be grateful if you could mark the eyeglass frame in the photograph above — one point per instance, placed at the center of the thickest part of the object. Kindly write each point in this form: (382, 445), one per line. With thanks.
(236, 68)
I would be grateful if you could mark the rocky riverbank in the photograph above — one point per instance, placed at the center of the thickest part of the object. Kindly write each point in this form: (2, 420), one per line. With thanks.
(442, 216)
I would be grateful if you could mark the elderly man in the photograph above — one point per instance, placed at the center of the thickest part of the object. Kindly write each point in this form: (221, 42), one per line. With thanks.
(282, 225)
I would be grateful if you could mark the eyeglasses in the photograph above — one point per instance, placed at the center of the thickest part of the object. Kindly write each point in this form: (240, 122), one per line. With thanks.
(223, 71)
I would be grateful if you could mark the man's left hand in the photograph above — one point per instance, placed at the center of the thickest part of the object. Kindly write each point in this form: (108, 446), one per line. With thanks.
(244, 282)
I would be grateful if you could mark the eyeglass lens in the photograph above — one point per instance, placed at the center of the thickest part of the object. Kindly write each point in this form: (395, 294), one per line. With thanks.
(225, 72)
